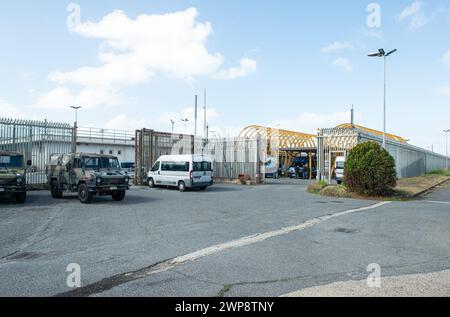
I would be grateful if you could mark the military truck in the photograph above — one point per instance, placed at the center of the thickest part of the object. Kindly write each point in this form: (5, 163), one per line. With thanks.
(13, 176)
(87, 175)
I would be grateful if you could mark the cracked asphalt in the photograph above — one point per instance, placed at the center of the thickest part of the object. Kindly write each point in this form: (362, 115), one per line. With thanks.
(118, 244)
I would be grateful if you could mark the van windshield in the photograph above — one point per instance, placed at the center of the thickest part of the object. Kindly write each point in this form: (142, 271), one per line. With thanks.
(202, 166)
(11, 161)
(340, 165)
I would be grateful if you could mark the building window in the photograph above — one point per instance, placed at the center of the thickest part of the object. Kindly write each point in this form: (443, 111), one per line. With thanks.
(111, 152)
(102, 152)
(119, 152)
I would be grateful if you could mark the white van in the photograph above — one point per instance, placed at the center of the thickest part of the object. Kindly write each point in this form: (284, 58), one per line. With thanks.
(339, 169)
(182, 171)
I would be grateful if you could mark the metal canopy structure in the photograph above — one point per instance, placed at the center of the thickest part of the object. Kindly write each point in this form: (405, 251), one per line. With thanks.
(282, 140)
(372, 131)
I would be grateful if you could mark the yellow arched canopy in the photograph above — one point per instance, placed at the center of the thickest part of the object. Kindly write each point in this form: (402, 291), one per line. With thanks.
(372, 131)
(284, 139)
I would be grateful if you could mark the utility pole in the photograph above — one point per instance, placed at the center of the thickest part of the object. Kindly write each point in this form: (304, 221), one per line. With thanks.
(446, 149)
(352, 120)
(75, 129)
(196, 106)
(204, 116)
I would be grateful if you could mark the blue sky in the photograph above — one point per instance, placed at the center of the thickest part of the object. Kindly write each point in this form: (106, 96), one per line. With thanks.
(289, 64)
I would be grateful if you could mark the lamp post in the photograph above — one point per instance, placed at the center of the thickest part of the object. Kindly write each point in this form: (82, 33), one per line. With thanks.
(381, 53)
(185, 124)
(446, 149)
(173, 124)
(75, 128)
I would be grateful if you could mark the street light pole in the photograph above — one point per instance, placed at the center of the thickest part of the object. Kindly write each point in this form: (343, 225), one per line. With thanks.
(446, 149)
(75, 129)
(382, 53)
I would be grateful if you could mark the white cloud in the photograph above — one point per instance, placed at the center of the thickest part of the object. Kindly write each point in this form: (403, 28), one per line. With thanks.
(8, 110)
(444, 90)
(134, 50)
(446, 58)
(246, 67)
(415, 15)
(123, 122)
(62, 97)
(343, 63)
(337, 46)
(309, 122)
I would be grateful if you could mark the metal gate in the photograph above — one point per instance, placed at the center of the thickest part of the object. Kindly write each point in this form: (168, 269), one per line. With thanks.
(231, 157)
(36, 140)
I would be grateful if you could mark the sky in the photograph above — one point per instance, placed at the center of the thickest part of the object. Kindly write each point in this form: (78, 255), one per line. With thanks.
(297, 65)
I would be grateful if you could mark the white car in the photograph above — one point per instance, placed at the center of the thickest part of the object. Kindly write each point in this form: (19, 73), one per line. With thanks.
(339, 169)
(182, 171)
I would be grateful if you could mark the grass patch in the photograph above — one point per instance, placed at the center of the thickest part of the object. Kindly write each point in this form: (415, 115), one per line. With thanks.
(339, 191)
(317, 187)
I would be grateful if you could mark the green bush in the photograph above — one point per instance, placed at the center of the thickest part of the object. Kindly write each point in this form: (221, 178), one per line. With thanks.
(315, 188)
(370, 170)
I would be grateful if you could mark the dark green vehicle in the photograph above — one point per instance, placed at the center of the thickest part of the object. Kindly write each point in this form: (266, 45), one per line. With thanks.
(13, 176)
(87, 175)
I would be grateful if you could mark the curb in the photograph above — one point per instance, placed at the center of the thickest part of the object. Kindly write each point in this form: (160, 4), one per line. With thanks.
(430, 188)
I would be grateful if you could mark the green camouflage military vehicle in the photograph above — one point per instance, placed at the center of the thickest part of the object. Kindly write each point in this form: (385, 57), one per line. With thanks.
(13, 176)
(87, 175)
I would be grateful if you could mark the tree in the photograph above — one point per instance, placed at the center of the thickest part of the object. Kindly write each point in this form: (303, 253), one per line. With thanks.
(370, 170)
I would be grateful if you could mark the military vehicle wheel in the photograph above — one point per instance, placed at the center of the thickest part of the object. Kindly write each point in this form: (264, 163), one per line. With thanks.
(55, 190)
(83, 194)
(181, 186)
(119, 196)
(151, 183)
(21, 198)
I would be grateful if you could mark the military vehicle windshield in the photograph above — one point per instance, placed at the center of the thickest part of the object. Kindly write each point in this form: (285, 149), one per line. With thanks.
(101, 162)
(8, 161)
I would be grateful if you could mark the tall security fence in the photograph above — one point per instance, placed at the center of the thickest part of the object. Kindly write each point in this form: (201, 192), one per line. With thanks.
(231, 157)
(410, 161)
(36, 140)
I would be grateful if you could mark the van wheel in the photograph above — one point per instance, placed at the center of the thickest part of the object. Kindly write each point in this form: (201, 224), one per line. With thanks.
(84, 195)
(339, 182)
(21, 197)
(55, 190)
(203, 187)
(181, 186)
(151, 183)
(119, 196)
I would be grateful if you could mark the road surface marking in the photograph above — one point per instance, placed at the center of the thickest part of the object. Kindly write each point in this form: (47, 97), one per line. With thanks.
(439, 202)
(163, 266)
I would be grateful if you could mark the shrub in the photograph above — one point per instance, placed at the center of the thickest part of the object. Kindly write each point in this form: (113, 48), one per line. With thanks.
(370, 170)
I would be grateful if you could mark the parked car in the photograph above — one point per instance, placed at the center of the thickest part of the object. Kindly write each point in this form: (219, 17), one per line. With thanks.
(339, 169)
(13, 176)
(182, 171)
(87, 175)
(128, 168)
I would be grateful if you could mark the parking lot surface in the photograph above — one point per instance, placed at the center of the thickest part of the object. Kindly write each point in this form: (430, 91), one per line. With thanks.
(117, 245)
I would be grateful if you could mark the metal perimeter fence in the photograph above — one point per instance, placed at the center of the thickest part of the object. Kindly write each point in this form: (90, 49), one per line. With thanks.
(410, 160)
(232, 157)
(36, 140)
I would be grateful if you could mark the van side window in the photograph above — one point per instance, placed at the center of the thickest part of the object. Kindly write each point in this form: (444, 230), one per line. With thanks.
(175, 166)
(155, 167)
(202, 167)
